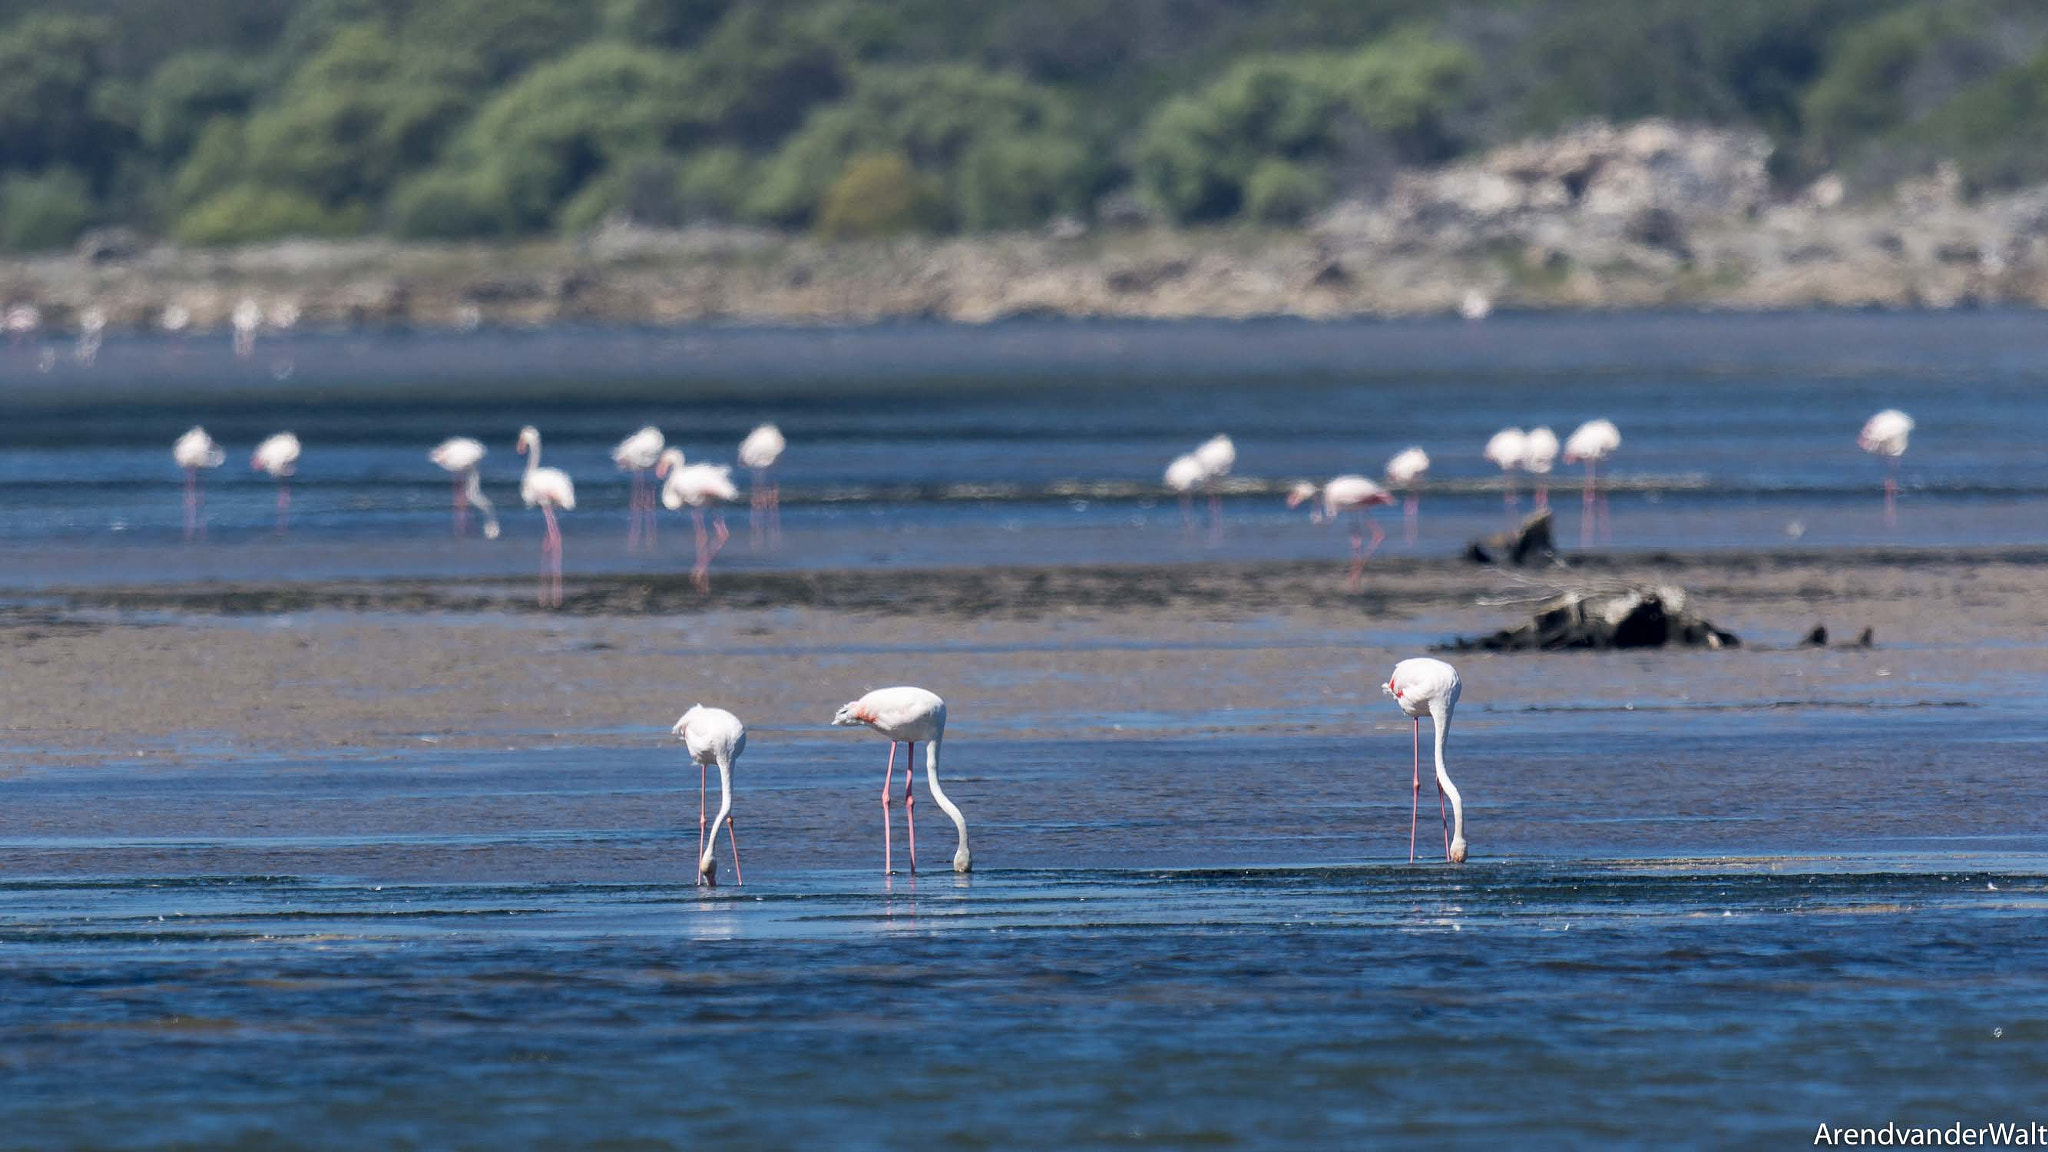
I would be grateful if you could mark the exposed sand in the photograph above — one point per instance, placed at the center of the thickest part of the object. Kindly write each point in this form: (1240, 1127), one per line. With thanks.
(182, 673)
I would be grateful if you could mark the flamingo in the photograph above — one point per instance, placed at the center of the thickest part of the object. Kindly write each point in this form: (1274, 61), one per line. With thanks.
(1425, 686)
(636, 454)
(1539, 452)
(695, 486)
(908, 715)
(92, 329)
(1592, 442)
(1347, 494)
(193, 451)
(1217, 455)
(1885, 434)
(758, 453)
(549, 488)
(21, 322)
(460, 455)
(279, 456)
(714, 736)
(246, 319)
(1506, 448)
(1183, 476)
(1405, 471)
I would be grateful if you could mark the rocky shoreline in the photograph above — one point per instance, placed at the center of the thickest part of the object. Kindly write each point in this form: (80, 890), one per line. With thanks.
(1650, 215)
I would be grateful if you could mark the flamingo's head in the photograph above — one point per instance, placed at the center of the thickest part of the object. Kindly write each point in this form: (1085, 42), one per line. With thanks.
(1458, 850)
(1300, 494)
(1388, 689)
(669, 460)
(850, 714)
(529, 437)
(683, 722)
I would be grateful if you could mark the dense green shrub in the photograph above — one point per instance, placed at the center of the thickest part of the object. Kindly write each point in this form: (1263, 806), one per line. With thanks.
(879, 194)
(43, 212)
(452, 206)
(1283, 192)
(246, 214)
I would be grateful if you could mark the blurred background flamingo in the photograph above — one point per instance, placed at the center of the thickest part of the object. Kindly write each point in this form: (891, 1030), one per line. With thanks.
(1592, 442)
(460, 455)
(193, 451)
(758, 454)
(1354, 494)
(279, 456)
(696, 487)
(1884, 436)
(636, 454)
(1405, 471)
(1506, 448)
(547, 489)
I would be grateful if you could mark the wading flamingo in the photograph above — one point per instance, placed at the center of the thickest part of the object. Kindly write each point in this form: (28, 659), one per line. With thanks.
(1183, 476)
(1592, 442)
(714, 736)
(1539, 454)
(1506, 448)
(21, 322)
(1423, 686)
(92, 331)
(907, 715)
(460, 455)
(279, 456)
(636, 454)
(758, 453)
(1346, 494)
(193, 451)
(1885, 435)
(696, 486)
(1218, 455)
(1405, 471)
(246, 320)
(548, 489)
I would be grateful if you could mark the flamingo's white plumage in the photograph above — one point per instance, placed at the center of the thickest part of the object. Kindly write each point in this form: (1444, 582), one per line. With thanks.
(758, 454)
(697, 487)
(1427, 687)
(1506, 449)
(1183, 476)
(194, 451)
(1590, 443)
(246, 319)
(1539, 455)
(713, 736)
(459, 456)
(1405, 471)
(1884, 436)
(636, 454)
(1342, 494)
(547, 489)
(279, 456)
(908, 715)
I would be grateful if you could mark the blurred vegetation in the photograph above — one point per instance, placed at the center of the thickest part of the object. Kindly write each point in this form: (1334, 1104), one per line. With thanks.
(226, 121)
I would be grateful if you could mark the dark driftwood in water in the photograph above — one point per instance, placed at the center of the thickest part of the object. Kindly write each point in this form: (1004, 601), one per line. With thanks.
(1528, 543)
(1818, 638)
(1632, 618)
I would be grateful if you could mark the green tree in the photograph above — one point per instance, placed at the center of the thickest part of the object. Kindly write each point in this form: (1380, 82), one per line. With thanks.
(499, 37)
(44, 211)
(880, 194)
(246, 214)
(187, 92)
(51, 68)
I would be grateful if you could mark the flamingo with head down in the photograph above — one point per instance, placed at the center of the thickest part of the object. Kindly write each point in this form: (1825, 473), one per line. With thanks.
(908, 715)
(1343, 494)
(1405, 471)
(1885, 436)
(1592, 442)
(636, 454)
(714, 736)
(279, 456)
(193, 451)
(1506, 448)
(1427, 687)
(758, 454)
(460, 456)
(696, 487)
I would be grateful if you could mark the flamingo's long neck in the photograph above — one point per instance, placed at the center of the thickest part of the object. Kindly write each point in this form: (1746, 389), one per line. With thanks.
(961, 860)
(1441, 714)
(704, 865)
(533, 456)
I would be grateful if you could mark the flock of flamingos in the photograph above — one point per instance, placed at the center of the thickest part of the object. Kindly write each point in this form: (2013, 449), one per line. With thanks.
(910, 716)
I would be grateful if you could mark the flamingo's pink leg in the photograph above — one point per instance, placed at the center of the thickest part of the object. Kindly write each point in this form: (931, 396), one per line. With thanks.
(1215, 517)
(910, 801)
(757, 511)
(191, 503)
(738, 876)
(284, 505)
(1587, 512)
(1187, 516)
(1409, 515)
(1415, 808)
(461, 507)
(1891, 492)
(551, 559)
(701, 786)
(633, 511)
(720, 536)
(647, 498)
(888, 829)
(700, 573)
(774, 515)
(1542, 496)
(1509, 498)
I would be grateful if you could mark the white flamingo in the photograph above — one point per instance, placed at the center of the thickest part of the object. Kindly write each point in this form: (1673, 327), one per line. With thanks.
(279, 456)
(246, 319)
(1344, 494)
(92, 331)
(1539, 455)
(1423, 686)
(1506, 448)
(714, 736)
(758, 454)
(696, 487)
(1592, 442)
(193, 451)
(1405, 471)
(460, 455)
(1885, 436)
(1218, 455)
(908, 715)
(636, 454)
(547, 489)
(1183, 476)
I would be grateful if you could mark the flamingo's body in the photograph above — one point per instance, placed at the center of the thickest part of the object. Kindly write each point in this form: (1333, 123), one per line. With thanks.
(758, 454)
(193, 451)
(1884, 435)
(1506, 448)
(1183, 476)
(247, 318)
(279, 456)
(547, 489)
(459, 456)
(1405, 471)
(92, 331)
(1354, 494)
(697, 487)
(1427, 687)
(1539, 455)
(21, 322)
(713, 736)
(908, 715)
(1592, 442)
(636, 454)
(1217, 455)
